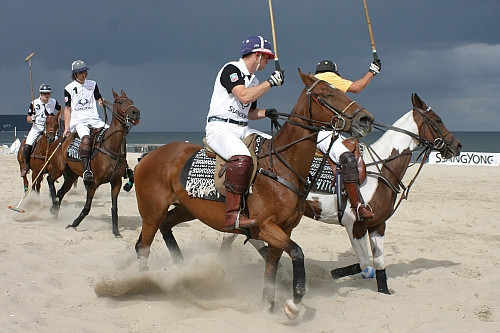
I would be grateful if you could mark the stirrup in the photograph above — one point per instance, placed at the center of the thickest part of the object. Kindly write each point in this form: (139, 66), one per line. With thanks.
(88, 176)
(237, 224)
(364, 205)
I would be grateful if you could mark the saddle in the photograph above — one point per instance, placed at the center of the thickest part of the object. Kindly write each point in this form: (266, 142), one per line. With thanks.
(202, 175)
(327, 179)
(73, 150)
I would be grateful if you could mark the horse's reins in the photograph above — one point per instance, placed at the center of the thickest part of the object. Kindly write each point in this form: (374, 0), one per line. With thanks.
(438, 144)
(339, 115)
(123, 119)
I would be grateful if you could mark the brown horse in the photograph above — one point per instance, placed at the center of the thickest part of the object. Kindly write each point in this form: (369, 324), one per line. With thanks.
(387, 161)
(108, 162)
(40, 152)
(278, 191)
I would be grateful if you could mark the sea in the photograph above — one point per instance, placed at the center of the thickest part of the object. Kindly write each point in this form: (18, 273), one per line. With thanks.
(480, 142)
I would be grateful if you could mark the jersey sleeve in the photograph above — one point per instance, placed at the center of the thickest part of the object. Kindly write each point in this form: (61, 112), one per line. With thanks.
(30, 109)
(58, 106)
(97, 94)
(67, 98)
(231, 77)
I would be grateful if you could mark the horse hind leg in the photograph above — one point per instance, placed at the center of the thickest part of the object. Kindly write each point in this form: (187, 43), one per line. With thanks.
(86, 208)
(175, 216)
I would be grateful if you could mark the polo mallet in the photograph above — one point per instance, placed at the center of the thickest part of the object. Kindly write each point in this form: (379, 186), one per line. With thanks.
(374, 49)
(276, 62)
(16, 208)
(28, 59)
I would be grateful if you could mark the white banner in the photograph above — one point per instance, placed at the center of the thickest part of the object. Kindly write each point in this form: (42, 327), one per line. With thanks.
(465, 158)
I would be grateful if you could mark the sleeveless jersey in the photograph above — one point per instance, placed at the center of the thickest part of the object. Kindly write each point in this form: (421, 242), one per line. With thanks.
(223, 103)
(51, 106)
(81, 99)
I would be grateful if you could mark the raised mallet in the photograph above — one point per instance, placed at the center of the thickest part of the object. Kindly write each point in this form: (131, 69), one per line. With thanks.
(372, 40)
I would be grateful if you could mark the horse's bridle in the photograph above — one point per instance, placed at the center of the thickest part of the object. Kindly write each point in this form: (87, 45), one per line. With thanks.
(439, 144)
(120, 113)
(339, 115)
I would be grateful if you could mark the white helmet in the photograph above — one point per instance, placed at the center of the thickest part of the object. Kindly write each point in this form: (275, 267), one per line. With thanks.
(78, 66)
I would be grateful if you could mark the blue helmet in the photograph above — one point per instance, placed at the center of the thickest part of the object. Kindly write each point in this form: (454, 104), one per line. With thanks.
(45, 88)
(256, 44)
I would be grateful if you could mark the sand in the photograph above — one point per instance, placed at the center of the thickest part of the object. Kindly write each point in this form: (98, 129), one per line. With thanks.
(442, 256)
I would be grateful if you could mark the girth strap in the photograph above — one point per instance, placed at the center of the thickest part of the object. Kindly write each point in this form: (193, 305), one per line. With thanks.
(282, 181)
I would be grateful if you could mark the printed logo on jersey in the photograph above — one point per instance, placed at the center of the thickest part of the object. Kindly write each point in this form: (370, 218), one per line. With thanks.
(83, 101)
(233, 77)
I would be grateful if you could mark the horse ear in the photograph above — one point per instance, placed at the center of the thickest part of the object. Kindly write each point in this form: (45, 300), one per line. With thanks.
(308, 81)
(115, 95)
(123, 94)
(418, 102)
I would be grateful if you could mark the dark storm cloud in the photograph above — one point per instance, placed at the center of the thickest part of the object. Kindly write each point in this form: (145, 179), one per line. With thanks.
(166, 54)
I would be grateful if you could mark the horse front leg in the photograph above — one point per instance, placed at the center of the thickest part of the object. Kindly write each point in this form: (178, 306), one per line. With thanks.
(86, 208)
(25, 184)
(115, 190)
(377, 245)
(360, 247)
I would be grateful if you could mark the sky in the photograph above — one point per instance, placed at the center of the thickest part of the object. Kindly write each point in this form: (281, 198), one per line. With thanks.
(166, 54)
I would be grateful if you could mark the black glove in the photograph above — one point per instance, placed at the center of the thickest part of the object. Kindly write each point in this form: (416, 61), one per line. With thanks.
(277, 78)
(375, 67)
(272, 113)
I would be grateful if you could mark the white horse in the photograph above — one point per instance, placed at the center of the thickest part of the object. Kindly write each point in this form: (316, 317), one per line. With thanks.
(386, 163)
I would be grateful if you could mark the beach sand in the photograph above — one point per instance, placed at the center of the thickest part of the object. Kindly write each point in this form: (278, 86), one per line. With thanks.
(442, 257)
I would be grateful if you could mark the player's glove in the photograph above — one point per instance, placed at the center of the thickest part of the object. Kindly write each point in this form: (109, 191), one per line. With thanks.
(277, 78)
(33, 118)
(375, 67)
(272, 113)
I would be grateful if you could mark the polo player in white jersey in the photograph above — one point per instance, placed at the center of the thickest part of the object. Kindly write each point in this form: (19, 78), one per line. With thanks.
(37, 114)
(233, 103)
(80, 115)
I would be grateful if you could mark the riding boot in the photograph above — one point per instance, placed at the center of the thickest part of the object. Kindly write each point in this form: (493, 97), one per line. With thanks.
(85, 150)
(26, 155)
(350, 176)
(238, 169)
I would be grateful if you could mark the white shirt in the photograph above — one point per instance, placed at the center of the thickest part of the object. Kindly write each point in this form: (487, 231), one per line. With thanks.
(40, 108)
(83, 104)
(223, 103)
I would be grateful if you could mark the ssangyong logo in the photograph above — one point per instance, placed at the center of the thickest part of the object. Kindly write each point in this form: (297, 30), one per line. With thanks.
(83, 101)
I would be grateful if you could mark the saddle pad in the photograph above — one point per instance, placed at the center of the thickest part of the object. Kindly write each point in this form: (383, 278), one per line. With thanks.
(325, 183)
(197, 177)
(72, 151)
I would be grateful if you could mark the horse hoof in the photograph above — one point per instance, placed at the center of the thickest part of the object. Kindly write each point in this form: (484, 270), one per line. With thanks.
(70, 226)
(118, 235)
(54, 210)
(294, 311)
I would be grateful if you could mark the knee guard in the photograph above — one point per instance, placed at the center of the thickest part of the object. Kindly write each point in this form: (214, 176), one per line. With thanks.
(349, 164)
(85, 146)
